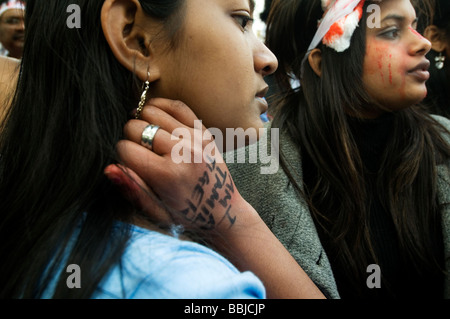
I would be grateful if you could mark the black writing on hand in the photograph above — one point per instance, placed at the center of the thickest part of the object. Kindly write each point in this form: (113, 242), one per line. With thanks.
(211, 199)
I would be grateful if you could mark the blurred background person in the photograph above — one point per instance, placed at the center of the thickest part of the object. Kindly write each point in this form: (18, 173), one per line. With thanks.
(12, 28)
(438, 99)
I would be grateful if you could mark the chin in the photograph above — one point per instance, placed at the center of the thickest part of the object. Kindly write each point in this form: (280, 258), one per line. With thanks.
(420, 98)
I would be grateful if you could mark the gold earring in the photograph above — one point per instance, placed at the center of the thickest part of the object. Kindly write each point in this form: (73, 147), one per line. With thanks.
(440, 61)
(141, 105)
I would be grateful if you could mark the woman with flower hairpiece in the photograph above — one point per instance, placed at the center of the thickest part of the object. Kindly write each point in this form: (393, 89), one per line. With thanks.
(362, 199)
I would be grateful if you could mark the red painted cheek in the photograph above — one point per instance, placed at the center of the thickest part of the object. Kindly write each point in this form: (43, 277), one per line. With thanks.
(380, 67)
(380, 62)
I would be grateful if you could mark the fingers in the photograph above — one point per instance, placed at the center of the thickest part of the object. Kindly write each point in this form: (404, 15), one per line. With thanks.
(154, 115)
(174, 119)
(162, 141)
(130, 185)
(175, 109)
(139, 159)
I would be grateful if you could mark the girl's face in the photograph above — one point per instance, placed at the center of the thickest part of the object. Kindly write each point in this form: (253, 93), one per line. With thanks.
(395, 68)
(219, 66)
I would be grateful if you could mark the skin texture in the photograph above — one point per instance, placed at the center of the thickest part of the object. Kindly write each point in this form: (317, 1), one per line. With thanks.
(12, 32)
(392, 52)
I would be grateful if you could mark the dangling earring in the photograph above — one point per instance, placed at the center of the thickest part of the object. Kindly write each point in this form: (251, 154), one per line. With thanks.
(145, 88)
(440, 61)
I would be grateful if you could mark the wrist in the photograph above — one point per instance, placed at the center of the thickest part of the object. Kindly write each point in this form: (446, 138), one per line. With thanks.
(244, 216)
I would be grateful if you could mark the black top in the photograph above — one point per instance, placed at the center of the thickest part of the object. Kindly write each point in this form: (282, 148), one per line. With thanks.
(399, 278)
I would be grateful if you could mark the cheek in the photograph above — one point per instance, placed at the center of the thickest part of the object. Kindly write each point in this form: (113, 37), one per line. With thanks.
(378, 64)
(383, 66)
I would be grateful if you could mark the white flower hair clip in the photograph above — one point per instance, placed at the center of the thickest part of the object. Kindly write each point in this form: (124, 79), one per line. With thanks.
(340, 20)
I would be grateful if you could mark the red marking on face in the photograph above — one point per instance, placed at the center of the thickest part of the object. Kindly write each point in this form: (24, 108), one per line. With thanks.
(380, 61)
(380, 67)
(416, 33)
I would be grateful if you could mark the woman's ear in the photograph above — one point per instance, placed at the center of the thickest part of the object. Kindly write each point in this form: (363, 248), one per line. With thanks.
(437, 38)
(126, 29)
(315, 61)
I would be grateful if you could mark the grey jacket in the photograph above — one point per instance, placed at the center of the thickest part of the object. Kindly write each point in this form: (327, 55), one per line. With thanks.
(287, 214)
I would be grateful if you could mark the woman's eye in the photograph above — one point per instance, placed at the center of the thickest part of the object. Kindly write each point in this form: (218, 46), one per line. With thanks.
(391, 33)
(12, 21)
(244, 21)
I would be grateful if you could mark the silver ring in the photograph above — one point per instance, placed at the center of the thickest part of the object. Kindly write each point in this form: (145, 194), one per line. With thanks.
(148, 135)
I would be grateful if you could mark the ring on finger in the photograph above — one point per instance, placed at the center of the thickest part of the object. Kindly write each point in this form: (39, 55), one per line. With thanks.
(148, 135)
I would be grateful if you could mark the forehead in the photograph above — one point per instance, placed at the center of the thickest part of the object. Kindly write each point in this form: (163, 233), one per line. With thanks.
(403, 7)
(250, 3)
(13, 13)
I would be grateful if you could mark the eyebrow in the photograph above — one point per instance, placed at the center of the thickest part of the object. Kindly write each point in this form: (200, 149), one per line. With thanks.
(398, 18)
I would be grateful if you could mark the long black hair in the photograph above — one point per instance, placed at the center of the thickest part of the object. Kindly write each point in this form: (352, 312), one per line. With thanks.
(71, 103)
(316, 116)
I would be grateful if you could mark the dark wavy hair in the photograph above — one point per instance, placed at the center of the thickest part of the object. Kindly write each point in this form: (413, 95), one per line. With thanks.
(316, 117)
(71, 103)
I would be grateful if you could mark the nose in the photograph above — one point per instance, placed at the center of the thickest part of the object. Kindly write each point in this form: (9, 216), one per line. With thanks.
(419, 45)
(265, 61)
(20, 26)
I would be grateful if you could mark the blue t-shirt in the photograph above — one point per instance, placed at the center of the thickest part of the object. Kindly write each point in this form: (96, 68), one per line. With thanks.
(159, 266)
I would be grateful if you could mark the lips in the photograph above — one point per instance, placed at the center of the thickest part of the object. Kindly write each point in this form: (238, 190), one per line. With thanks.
(19, 37)
(420, 72)
(263, 92)
(262, 101)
